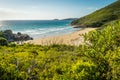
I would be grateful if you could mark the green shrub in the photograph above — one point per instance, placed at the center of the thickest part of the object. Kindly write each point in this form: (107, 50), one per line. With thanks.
(104, 43)
(2, 34)
(12, 44)
(97, 59)
(3, 41)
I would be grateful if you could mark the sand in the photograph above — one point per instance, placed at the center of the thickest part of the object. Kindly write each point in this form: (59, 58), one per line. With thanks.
(74, 38)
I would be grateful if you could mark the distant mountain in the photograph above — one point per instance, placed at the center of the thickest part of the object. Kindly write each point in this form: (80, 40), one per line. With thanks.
(70, 19)
(99, 17)
(55, 19)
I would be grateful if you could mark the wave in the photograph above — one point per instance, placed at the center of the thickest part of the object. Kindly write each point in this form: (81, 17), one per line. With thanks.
(37, 29)
(41, 32)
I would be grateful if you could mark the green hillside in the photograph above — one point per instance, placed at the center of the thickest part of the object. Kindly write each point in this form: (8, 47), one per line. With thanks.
(100, 17)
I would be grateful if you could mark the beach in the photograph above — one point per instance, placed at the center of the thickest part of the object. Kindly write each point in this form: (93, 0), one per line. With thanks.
(74, 38)
(46, 32)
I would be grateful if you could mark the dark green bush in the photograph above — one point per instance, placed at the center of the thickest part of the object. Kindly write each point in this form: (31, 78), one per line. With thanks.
(2, 34)
(3, 41)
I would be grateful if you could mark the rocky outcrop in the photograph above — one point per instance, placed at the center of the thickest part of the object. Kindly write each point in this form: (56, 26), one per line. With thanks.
(11, 37)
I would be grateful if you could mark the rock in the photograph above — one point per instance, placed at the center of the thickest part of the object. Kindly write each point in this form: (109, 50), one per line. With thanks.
(11, 37)
(19, 33)
(8, 32)
(25, 37)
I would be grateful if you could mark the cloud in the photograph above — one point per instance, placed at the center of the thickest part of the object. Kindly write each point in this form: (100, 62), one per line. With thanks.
(12, 14)
(8, 10)
(7, 13)
(35, 13)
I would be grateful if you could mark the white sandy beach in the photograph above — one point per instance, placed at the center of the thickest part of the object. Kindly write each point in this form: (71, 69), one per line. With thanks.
(75, 38)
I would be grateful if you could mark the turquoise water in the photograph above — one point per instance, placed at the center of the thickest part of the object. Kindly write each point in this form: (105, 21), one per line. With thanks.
(38, 28)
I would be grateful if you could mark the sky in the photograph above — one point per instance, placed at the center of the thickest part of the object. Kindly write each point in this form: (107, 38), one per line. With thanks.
(48, 9)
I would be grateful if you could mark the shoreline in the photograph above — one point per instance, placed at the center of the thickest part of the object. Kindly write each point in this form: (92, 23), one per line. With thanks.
(74, 38)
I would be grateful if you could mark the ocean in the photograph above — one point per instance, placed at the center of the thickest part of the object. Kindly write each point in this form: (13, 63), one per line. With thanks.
(39, 28)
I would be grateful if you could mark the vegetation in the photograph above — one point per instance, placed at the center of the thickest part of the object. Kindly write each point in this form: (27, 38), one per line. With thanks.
(3, 41)
(100, 17)
(98, 59)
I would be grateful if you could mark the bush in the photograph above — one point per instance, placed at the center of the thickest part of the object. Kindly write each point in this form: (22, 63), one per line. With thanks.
(12, 44)
(104, 43)
(98, 59)
(3, 41)
(2, 34)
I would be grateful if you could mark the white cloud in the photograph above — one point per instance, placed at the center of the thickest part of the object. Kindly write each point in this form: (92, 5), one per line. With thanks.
(8, 10)
(7, 13)
(39, 13)
(12, 14)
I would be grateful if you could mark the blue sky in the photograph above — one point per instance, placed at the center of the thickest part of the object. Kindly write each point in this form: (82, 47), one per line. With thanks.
(48, 9)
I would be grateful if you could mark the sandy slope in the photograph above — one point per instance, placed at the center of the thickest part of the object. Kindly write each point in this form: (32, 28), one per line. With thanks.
(75, 38)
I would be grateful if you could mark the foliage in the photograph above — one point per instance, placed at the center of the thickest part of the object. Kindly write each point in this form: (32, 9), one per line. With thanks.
(2, 34)
(100, 17)
(98, 59)
(3, 41)
(104, 44)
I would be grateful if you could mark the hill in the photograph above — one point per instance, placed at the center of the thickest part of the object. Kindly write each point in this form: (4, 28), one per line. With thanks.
(99, 17)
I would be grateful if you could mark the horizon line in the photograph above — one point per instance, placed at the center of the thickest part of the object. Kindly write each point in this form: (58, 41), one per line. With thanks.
(34, 19)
